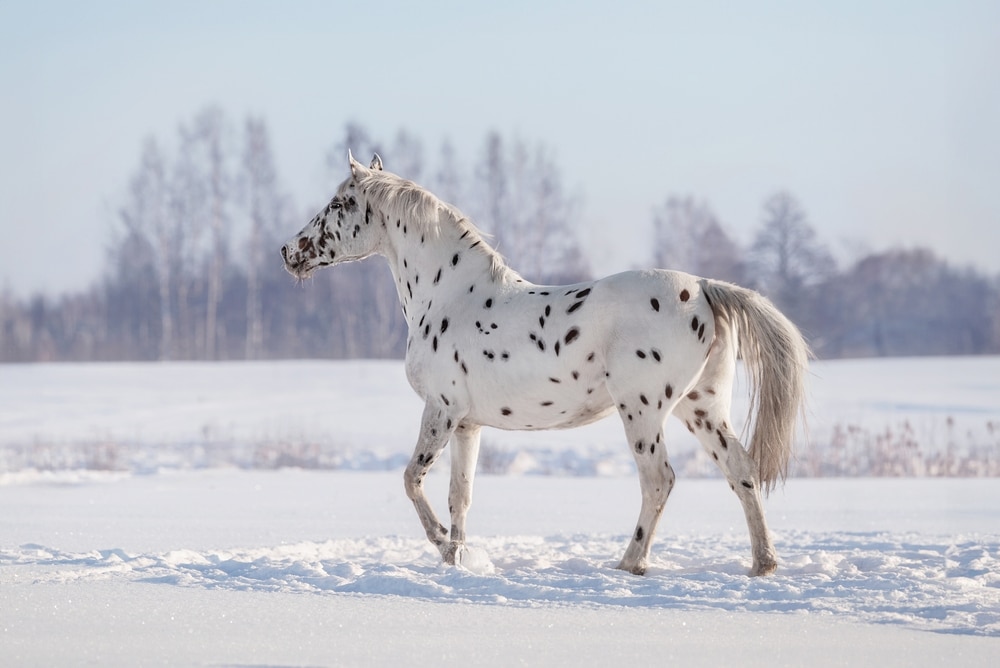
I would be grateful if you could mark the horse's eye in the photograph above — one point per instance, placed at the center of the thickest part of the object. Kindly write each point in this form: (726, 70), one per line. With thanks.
(335, 204)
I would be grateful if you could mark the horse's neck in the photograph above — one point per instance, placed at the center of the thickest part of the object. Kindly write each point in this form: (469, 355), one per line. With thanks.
(439, 266)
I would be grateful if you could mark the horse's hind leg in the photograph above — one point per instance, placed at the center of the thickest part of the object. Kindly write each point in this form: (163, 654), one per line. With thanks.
(741, 473)
(436, 428)
(656, 480)
(464, 455)
(709, 421)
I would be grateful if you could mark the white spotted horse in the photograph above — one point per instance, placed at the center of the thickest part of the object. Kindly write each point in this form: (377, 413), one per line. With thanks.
(486, 347)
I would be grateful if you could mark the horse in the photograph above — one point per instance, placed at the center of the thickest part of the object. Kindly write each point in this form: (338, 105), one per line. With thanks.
(486, 347)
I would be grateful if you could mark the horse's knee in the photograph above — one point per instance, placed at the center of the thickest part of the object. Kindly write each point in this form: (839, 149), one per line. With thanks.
(657, 484)
(413, 479)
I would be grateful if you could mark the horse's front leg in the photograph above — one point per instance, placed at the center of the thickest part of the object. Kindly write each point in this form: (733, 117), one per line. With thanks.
(436, 428)
(464, 456)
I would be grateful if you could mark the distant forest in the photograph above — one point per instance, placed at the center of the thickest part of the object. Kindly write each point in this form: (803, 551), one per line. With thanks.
(192, 269)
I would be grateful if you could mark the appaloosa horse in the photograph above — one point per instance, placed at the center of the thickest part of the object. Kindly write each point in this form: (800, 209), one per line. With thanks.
(487, 347)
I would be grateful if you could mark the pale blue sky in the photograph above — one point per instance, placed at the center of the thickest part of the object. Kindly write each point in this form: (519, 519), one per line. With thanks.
(883, 118)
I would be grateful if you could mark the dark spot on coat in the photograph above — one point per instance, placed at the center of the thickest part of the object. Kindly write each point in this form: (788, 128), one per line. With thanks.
(571, 336)
(574, 307)
(639, 533)
(685, 295)
(722, 439)
(489, 303)
(641, 355)
(655, 303)
(694, 324)
(505, 411)
(669, 391)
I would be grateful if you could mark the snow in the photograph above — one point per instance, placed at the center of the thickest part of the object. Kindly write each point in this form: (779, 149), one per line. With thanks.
(189, 550)
(362, 415)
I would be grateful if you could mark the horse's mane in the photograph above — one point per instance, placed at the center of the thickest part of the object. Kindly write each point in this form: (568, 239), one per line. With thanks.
(399, 199)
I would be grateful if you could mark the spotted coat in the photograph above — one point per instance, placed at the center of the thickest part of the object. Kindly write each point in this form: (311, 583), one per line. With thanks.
(488, 348)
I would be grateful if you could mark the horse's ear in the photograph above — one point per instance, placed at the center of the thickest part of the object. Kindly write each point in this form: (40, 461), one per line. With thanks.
(376, 163)
(357, 169)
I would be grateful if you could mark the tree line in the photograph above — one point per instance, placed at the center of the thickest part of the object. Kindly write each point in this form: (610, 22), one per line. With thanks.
(192, 271)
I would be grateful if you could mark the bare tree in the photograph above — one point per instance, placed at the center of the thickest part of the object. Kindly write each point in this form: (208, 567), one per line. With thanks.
(148, 226)
(524, 204)
(190, 218)
(492, 178)
(788, 258)
(207, 144)
(263, 205)
(448, 178)
(407, 157)
(688, 237)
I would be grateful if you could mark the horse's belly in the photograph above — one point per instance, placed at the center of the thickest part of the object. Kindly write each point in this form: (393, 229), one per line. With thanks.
(548, 405)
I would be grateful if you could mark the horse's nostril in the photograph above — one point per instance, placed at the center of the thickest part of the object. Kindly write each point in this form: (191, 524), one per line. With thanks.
(284, 253)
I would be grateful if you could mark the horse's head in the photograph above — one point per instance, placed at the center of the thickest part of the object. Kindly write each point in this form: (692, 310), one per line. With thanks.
(341, 232)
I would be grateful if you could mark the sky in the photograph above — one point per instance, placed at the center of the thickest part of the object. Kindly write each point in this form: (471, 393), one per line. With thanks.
(882, 118)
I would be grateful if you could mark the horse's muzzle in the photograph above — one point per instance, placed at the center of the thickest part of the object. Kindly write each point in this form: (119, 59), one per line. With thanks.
(293, 262)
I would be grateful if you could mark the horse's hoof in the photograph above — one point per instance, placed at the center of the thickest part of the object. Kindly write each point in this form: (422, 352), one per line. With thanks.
(450, 552)
(765, 568)
(637, 569)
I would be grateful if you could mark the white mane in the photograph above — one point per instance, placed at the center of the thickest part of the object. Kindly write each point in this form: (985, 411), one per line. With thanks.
(400, 199)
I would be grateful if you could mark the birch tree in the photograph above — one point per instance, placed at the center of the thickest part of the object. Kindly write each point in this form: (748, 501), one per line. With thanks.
(149, 234)
(264, 208)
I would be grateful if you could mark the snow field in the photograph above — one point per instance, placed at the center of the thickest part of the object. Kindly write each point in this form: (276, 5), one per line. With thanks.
(185, 552)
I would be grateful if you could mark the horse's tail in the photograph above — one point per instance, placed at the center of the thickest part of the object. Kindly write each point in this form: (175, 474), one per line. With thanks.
(775, 357)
